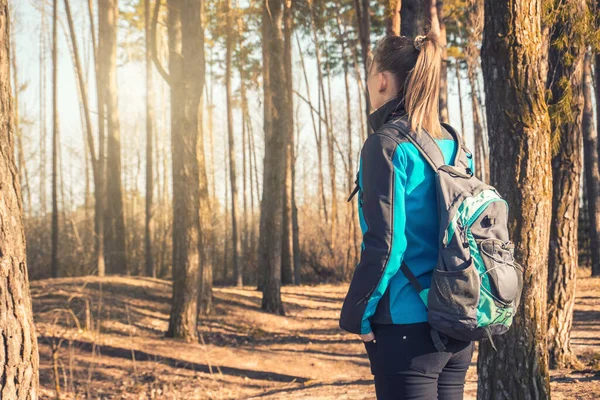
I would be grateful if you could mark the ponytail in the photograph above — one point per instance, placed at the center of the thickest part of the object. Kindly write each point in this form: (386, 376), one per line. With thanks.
(416, 65)
(422, 88)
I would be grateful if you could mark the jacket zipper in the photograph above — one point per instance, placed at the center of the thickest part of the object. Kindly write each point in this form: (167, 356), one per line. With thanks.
(356, 188)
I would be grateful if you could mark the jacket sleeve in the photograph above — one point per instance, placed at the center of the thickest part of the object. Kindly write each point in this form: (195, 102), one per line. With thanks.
(384, 241)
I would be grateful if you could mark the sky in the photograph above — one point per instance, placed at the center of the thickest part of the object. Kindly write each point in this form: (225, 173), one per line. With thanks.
(27, 17)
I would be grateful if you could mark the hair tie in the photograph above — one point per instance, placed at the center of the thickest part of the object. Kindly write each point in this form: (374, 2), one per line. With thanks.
(419, 42)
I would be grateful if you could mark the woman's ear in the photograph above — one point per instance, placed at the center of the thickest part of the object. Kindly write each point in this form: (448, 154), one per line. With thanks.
(383, 81)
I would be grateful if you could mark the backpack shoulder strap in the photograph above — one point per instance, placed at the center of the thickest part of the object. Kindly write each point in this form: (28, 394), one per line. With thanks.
(426, 145)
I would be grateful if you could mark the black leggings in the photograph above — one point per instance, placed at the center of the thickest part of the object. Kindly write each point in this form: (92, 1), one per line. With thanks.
(407, 366)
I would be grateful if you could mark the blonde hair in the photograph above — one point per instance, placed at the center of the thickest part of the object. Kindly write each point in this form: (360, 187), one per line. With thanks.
(416, 64)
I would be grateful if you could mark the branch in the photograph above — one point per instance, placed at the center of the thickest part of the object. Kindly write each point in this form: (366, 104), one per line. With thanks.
(154, 51)
(311, 106)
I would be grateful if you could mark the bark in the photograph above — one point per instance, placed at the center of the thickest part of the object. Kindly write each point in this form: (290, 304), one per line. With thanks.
(287, 256)
(42, 105)
(437, 18)
(596, 265)
(565, 77)
(191, 207)
(519, 129)
(21, 163)
(592, 166)
(235, 236)
(18, 343)
(411, 15)
(150, 268)
(245, 115)
(460, 102)
(351, 253)
(55, 142)
(89, 137)
(114, 235)
(363, 21)
(392, 20)
(267, 111)
(271, 216)
(481, 168)
(99, 180)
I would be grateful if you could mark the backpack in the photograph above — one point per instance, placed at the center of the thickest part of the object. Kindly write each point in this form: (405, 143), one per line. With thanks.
(476, 284)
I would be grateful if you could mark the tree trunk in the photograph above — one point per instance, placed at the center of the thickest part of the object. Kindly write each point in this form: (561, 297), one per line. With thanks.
(43, 128)
(474, 28)
(438, 5)
(363, 21)
(411, 15)
(480, 169)
(190, 188)
(519, 128)
(21, 163)
(591, 164)
(114, 235)
(287, 256)
(271, 215)
(245, 115)
(18, 343)
(565, 77)
(150, 268)
(55, 142)
(596, 265)
(235, 237)
(99, 181)
(460, 102)
(392, 18)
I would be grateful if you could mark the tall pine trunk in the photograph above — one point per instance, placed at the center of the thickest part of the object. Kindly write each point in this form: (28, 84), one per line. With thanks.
(271, 215)
(55, 142)
(18, 343)
(392, 20)
(114, 235)
(591, 164)
(596, 265)
(99, 178)
(150, 268)
(565, 77)
(287, 256)
(411, 15)
(519, 129)
(235, 235)
(363, 21)
(191, 209)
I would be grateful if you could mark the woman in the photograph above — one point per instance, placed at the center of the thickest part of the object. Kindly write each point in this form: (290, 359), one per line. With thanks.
(399, 221)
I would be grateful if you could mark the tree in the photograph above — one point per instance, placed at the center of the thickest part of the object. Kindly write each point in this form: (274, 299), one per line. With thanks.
(235, 234)
(474, 27)
(18, 344)
(114, 228)
(596, 265)
(591, 163)
(519, 130)
(271, 210)
(55, 142)
(191, 207)
(150, 268)
(565, 77)
(363, 21)
(287, 256)
(393, 17)
(411, 16)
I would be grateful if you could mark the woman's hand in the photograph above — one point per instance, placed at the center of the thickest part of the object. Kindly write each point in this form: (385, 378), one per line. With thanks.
(368, 337)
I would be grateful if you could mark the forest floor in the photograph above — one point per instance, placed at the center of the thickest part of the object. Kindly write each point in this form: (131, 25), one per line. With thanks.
(105, 336)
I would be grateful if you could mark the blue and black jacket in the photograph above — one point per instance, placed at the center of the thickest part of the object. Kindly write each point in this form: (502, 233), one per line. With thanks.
(397, 207)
